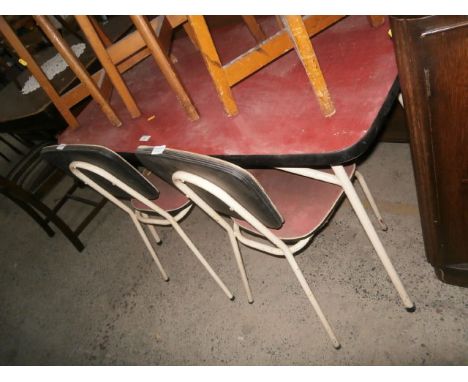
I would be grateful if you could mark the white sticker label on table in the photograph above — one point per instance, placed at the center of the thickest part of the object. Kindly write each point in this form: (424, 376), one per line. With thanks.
(158, 150)
(61, 146)
(145, 138)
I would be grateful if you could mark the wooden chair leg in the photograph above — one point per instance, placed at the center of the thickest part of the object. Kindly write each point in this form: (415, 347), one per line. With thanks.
(102, 35)
(77, 67)
(190, 33)
(49, 216)
(306, 53)
(105, 83)
(211, 58)
(37, 72)
(105, 60)
(254, 28)
(376, 21)
(279, 22)
(32, 213)
(148, 35)
(67, 26)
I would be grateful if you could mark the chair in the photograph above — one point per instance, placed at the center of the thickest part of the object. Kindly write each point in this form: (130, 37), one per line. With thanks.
(27, 180)
(138, 45)
(219, 187)
(294, 33)
(116, 58)
(117, 180)
(150, 38)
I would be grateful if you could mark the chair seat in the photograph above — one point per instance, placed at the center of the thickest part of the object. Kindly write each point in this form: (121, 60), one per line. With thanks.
(170, 198)
(304, 203)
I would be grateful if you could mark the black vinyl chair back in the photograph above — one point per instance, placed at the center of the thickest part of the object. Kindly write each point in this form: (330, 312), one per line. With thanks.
(62, 155)
(234, 180)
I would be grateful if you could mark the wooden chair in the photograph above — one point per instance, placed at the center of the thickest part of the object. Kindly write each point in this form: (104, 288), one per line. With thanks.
(286, 207)
(28, 179)
(117, 181)
(121, 55)
(140, 44)
(35, 69)
(295, 32)
(116, 58)
(109, 60)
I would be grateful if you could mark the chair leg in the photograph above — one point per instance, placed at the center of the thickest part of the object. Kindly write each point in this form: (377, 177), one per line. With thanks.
(305, 286)
(371, 200)
(50, 216)
(148, 245)
(31, 212)
(255, 28)
(152, 230)
(202, 260)
(240, 265)
(298, 33)
(191, 35)
(151, 40)
(210, 56)
(372, 234)
(114, 75)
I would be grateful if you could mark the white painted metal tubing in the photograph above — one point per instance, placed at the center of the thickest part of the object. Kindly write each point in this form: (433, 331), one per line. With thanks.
(275, 251)
(74, 168)
(218, 219)
(202, 260)
(180, 177)
(240, 265)
(372, 234)
(164, 222)
(371, 200)
(149, 246)
(151, 227)
(312, 173)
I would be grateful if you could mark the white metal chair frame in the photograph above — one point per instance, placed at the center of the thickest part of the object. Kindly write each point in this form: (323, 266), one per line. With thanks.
(140, 217)
(340, 178)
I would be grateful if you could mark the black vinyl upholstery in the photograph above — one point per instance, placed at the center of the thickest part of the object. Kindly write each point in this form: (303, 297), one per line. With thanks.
(234, 180)
(62, 155)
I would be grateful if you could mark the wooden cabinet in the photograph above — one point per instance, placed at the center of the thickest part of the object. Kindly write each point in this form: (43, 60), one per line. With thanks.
(432, 57)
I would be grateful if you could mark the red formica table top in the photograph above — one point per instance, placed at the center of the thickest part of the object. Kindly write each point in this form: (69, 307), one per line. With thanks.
(279, 121)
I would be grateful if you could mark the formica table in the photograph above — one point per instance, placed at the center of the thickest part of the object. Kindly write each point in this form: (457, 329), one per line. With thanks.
(279, 121)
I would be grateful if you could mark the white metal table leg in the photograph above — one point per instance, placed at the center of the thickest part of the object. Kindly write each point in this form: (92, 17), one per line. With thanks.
(372, 234)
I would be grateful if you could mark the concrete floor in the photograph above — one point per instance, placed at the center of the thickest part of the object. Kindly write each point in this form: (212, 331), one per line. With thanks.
(108, 305)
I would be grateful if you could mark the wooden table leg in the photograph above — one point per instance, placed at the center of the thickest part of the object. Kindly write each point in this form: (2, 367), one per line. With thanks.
(148, 35)
(211, 58)
(306, 53)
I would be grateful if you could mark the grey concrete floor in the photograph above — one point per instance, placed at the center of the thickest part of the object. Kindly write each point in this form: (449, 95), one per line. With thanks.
(108, 305)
